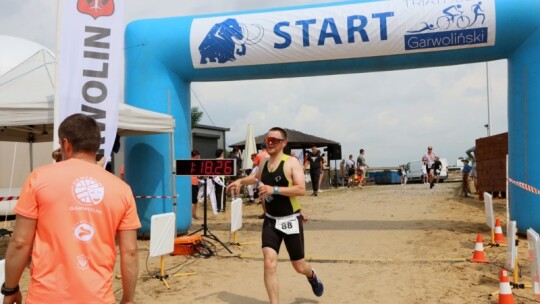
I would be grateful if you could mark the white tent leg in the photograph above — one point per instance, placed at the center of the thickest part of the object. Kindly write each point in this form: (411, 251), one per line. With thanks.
(173, 173)
(172, 158)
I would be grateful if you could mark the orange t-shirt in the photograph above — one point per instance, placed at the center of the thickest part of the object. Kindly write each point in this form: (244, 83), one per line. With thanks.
(260, 156)
(79, 207)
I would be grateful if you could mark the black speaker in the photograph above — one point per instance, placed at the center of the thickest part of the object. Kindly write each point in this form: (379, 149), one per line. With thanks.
(334, 152)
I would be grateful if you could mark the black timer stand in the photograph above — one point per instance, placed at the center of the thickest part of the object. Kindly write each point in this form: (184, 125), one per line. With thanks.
(204, 227)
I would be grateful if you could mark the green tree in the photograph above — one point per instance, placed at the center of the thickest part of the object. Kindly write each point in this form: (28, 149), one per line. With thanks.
(196, 116)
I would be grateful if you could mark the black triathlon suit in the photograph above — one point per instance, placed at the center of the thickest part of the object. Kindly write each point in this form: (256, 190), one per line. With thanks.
(281, 206)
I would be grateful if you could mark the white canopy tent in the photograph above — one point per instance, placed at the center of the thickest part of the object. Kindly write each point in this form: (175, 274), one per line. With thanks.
(33, 122)
(27, 103)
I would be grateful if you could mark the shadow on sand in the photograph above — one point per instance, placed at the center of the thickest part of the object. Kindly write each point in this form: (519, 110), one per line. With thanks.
(232, 298)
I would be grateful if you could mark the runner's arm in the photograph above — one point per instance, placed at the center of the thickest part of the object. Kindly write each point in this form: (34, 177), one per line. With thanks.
(129, 264)
(18, 252)
(248, 180)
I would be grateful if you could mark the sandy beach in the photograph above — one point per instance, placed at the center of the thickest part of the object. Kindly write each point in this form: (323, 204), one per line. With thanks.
(379, 244)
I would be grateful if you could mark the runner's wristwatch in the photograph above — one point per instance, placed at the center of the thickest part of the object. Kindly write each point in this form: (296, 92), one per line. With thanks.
(9, 291)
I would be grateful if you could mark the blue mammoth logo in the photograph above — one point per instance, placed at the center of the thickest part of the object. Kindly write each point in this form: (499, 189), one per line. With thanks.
(226, 40)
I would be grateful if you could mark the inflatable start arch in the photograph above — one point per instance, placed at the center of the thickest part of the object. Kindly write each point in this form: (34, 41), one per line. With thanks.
(164, 55)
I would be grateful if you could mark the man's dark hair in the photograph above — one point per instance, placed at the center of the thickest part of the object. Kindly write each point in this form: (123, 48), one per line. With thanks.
(82, 132)
(287, 150)
(361, 150)
(57, 155)
(194, 153)
(281, 130)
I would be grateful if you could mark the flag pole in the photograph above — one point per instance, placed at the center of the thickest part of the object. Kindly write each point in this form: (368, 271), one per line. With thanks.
(57, 53)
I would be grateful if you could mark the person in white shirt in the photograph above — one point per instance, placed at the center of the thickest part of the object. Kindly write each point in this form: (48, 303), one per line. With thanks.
(350, 166)
(429, 160)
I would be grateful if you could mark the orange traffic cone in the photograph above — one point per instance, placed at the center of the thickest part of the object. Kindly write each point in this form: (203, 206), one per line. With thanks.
(499, 237)
(505, 291)
(478, 255)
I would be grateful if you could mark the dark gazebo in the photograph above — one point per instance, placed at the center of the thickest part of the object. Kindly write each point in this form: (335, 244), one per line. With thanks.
(296, 140)
(303, 141)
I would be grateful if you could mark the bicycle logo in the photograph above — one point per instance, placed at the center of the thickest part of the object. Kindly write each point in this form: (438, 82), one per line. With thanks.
(454, 15)
(445, 21)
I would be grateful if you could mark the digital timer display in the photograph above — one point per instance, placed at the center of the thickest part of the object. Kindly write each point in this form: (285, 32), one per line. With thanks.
(206, 167)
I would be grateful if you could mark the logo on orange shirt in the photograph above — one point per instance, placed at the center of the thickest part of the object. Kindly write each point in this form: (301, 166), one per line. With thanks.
(88, 190)
(84, 232)
(82, 262)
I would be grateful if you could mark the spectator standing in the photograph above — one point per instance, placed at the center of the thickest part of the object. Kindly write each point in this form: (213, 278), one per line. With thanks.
(194, 187)
(471, 152)
(211, 182)
(321, 176)
(403, 174)
(68, 215)
(250, 188)
(261, 155)
(350, 166)
(237, 155)
(424, 172)
(465, 174)
(315, 162)
(361, 167)
(342, 171)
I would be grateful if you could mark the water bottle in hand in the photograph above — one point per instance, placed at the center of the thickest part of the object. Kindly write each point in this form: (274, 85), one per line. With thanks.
(268, 197)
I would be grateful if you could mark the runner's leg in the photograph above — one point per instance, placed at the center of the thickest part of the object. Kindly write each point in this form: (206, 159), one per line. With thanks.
(270, 274)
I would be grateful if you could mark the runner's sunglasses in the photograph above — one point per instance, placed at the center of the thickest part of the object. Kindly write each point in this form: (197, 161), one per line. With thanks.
(273, 140)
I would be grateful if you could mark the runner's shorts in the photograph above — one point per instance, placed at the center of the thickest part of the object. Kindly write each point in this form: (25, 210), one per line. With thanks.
(194, 193)
(271, 237)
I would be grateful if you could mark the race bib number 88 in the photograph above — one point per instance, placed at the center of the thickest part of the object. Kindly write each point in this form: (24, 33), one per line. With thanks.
(288, 225)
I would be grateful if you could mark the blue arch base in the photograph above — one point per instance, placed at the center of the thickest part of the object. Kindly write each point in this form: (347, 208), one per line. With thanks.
(159, 69)
(524, 132)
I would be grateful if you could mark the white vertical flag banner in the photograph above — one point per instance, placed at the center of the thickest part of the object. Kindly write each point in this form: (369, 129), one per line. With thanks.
(89, 57)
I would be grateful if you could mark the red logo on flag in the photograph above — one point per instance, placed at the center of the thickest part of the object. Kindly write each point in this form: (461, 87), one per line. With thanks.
(96, 8)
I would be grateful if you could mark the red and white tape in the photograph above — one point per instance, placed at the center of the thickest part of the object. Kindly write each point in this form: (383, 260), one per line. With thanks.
(8, 198)
(524, 186)
(156, 196)
(13, 198)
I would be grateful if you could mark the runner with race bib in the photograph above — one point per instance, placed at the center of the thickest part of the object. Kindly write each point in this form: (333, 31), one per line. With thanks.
(281, 180)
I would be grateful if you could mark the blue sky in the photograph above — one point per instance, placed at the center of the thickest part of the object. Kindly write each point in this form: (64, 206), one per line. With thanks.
(394, 115)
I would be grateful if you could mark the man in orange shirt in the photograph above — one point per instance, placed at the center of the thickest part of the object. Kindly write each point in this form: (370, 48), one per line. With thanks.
(68, 215)
(261, 155)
